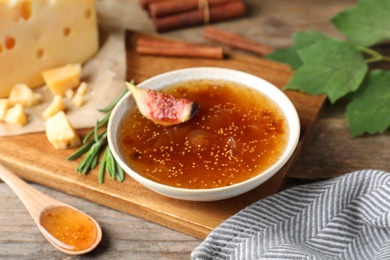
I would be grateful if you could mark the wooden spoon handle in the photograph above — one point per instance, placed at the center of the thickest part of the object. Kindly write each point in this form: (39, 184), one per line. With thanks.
(34, 200)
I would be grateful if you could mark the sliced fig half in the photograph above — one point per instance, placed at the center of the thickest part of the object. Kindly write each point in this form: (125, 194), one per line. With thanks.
(162, 108)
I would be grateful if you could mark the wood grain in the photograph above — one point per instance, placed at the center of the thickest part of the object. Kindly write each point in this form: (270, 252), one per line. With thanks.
(124, 236)
(37, 203)
(330, 151)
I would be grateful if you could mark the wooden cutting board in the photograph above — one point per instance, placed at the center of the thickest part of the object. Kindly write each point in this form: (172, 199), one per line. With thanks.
(34, 159)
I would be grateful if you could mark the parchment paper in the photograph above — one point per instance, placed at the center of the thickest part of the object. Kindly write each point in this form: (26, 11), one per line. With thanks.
(105, 75)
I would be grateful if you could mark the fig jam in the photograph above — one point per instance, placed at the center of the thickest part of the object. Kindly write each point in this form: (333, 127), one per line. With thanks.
(237, 133)
(68, 228)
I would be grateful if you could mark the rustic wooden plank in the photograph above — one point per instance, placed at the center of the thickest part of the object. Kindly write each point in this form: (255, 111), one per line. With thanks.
(124, 236)
(33, 158)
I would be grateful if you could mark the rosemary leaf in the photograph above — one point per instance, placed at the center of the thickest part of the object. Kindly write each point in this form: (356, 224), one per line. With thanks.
(84, 165)
(120, 176)
(99, 125)
(94, 161)
(83, 149)
(95, 133)
(91, 158)
(118, 173)
(102, 166)
(112, 166)
(107, 167)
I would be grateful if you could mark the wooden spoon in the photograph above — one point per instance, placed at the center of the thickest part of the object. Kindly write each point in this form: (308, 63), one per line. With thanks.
(68, 229)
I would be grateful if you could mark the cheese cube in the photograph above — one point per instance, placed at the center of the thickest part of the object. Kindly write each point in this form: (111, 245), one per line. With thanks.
(60, 132)
(82, 89)
(16, 115)
(24, 95)
(56, 106)
(39, 35)
(4, 105)
(69, 93)
(60, 79)
(78, 100)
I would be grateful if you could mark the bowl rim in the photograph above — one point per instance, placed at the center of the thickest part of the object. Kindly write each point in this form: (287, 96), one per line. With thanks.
(176, 76)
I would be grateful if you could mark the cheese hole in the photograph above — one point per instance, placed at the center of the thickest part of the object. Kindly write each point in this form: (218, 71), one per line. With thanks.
(88, 13)
(39, 53)
(10, 43)
(66, 31)
(26, 10)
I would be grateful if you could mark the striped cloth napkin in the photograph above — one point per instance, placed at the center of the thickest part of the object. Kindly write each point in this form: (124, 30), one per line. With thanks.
(343, 218)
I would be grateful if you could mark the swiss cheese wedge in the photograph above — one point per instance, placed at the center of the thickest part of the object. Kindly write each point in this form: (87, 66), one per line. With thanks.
(36, 35)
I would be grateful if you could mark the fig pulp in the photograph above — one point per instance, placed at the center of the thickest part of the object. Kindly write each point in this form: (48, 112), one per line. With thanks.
(161, 108)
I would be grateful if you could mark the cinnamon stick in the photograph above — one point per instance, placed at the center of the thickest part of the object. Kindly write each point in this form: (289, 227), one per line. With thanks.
(236, 41)
(145, 3)
(167, 48)
(231, 9)
(170, 7)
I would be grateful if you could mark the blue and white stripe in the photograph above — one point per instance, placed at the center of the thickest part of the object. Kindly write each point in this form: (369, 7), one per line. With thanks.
(343, 218)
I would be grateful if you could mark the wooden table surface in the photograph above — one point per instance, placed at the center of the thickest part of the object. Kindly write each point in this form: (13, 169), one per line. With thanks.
(329, 151)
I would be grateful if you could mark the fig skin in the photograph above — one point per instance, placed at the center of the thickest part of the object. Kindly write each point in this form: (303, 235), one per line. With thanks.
(161, 108)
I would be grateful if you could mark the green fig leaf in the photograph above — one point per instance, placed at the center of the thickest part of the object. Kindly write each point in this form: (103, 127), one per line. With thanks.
(300, 40)
(369, 110)
(367, 24)
(329, 67)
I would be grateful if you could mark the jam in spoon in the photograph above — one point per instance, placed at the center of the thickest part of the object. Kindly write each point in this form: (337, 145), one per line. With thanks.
(68, 229)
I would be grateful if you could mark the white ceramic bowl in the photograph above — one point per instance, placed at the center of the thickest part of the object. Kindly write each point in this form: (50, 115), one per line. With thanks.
(182, 75)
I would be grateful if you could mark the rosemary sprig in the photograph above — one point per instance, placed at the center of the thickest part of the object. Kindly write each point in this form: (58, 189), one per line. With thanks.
(92, 148)
(110, 166)
(99, 125)
(91, 159)
(108, 110)
(83, 149)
